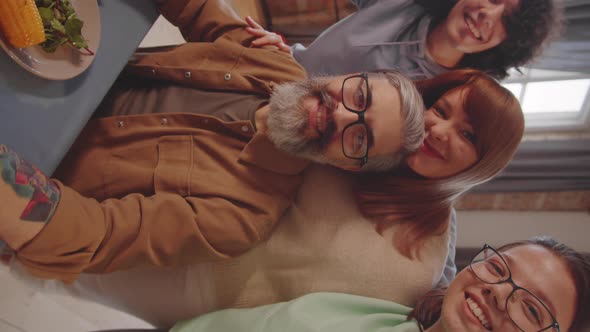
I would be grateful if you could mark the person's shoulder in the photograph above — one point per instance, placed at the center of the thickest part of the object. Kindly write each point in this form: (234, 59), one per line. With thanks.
(282, 66)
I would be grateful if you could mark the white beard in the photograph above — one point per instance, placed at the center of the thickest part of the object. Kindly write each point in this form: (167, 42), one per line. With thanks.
(288, 119)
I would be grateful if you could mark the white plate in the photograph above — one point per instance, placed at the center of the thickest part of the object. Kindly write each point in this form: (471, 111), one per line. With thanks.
(66, 62)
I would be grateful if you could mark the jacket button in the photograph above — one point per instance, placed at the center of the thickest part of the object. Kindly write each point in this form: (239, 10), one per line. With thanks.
(227, 76)
(187, 74)
(120, 124)
(164, 121)
(153, 72)
(245, 129)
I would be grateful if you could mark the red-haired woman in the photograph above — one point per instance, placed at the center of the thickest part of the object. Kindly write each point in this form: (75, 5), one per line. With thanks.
(473, 127)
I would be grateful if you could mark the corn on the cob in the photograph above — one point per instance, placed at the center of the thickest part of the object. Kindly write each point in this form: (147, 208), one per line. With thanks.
(21, 23)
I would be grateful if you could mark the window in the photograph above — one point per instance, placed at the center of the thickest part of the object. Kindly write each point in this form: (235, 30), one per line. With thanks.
(552, 100)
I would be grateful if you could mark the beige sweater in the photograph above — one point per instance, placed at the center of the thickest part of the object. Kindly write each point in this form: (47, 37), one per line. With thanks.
(321, 244)
(324, 244)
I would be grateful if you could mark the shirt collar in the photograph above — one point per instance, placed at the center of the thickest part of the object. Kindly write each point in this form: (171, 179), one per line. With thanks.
(261, 152)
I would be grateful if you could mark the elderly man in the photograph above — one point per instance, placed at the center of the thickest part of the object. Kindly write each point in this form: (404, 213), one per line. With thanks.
(188, 184)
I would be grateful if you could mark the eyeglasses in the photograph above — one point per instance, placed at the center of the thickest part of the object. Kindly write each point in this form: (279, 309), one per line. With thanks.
(356, 97)
(526, 310)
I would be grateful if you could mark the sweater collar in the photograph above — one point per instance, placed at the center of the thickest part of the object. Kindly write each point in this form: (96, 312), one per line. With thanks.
(420, 52)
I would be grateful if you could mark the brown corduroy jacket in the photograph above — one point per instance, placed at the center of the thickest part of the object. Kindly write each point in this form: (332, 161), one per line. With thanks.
(167, 189)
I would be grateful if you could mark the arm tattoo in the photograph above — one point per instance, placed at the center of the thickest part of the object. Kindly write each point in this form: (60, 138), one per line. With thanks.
(29, 182)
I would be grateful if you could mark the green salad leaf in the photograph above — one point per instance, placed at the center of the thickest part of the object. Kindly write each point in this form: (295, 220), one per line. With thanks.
(62, 26)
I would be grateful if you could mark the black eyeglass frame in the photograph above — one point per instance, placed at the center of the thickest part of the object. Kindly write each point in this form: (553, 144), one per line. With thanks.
(515, 287)
(361, 114)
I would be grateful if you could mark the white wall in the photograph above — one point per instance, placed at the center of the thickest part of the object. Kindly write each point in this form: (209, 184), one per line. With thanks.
(162, 33)
(498, 227)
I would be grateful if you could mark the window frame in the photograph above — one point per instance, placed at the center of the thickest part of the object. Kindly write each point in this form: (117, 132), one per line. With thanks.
(552, 121)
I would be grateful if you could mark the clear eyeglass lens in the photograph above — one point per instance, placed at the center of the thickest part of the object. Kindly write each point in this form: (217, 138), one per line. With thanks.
(355, 94)
(528, 312)
(489, 267)
(355, 141)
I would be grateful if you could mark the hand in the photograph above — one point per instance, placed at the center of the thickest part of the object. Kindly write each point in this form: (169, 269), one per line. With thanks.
(265, 37)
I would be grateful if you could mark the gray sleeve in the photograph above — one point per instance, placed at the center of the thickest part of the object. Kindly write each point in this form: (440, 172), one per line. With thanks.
(297, 48)
(450, 268)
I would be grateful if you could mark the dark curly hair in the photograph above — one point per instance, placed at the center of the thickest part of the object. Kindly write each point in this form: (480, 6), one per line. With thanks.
(529, 28)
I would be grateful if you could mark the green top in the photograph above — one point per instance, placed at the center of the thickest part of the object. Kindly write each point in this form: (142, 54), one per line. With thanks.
(326, 312)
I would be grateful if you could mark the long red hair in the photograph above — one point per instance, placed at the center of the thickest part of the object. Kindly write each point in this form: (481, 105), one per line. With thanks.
(422, 206)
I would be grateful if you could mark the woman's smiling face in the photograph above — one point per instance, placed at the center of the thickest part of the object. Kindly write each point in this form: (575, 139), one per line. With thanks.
(472, 305)
(449, 145)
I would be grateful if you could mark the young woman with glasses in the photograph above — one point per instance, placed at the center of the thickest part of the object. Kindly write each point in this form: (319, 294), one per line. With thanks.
(534, 285)
(423, 38)
(528, 286)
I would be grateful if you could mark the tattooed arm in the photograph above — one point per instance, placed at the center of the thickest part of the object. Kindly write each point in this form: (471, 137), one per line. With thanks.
(28, 199)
